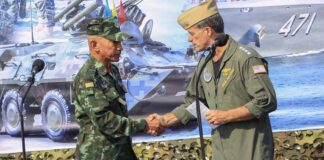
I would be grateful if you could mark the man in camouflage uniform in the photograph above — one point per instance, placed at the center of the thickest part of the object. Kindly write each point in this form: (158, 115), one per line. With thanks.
(234, 85)
(100, 105)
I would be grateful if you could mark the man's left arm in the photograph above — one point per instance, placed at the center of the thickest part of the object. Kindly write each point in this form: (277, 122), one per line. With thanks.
(259, 87)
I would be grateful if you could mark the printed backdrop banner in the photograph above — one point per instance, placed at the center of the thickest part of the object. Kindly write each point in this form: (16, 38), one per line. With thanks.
(156, 65)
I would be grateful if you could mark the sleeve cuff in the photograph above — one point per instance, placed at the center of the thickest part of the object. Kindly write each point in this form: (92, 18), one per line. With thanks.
(141, 125)
(182, 114)
(254, 110)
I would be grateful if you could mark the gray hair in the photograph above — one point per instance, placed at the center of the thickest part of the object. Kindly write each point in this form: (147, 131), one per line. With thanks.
(215, 22)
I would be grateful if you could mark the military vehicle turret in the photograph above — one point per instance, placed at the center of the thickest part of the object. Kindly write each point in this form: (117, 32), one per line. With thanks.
(150, 70)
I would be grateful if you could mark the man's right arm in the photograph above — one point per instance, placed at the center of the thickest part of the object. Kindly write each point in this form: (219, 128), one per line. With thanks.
(96, 106)
(180, 113)
(169, 119)
(165, 121)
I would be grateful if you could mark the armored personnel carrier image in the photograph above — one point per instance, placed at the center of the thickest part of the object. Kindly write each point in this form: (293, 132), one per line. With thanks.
(154, 75)
(150, 70)
(12, 59)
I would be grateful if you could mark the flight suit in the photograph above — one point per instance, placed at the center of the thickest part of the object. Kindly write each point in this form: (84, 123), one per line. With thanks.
(101, 112)
(241, 80)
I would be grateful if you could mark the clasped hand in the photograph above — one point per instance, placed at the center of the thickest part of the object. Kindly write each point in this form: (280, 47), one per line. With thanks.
(155, 124)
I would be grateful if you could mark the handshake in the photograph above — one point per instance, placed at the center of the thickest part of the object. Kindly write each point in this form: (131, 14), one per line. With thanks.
(156, 124)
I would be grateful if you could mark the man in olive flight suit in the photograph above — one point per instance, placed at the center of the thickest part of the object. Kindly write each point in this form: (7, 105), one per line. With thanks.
(234, 85)
(100, 105)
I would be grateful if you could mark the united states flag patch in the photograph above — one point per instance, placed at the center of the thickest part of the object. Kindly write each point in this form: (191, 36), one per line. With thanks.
(259, 69)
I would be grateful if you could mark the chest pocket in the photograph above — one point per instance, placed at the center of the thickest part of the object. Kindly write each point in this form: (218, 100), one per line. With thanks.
(112, 92)
(93, 97)
(113, 95)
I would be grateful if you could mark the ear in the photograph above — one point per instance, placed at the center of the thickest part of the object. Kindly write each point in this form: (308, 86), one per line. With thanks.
(210, 31)
(94, 45)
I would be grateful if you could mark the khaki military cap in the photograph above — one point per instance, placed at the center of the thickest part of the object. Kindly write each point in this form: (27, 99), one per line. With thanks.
(198, 13)
(106, 28)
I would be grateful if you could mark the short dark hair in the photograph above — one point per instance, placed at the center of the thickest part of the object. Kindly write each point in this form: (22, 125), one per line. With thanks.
(215, 22)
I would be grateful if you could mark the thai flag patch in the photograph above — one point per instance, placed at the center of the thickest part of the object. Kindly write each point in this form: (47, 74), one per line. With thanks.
(89, 85)
(259, 69)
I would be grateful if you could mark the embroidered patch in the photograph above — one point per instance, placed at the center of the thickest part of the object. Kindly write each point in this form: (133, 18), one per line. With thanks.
(229, 74)
(207, 75)
(226, 71)
(88, 84)
(259, 69)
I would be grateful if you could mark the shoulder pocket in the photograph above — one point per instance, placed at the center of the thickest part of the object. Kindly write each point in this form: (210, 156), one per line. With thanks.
(87, 92)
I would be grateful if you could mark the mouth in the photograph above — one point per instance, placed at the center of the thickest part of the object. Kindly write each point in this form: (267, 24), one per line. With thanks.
(116, 55)
(195, 47)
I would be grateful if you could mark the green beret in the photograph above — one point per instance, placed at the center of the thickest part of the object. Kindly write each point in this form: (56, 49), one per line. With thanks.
(106, 28)
(198, 13)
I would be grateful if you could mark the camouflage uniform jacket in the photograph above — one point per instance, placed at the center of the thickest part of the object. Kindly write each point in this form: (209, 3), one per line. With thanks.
(101, 112)
(241, 80)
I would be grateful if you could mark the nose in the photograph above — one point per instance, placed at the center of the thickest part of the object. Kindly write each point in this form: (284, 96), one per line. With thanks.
(189, 38)
(119, 46)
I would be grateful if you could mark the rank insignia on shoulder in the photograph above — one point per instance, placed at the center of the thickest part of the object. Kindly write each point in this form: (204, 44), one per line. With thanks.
(259, 69)
(89, 84)
(245, 50)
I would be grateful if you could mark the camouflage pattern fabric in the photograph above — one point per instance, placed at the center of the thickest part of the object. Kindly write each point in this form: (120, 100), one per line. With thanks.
(101, 112)
(293, 145)
(106, 28)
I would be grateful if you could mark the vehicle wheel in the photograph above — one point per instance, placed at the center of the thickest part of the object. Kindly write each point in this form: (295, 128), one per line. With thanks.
(57, 117)
(10, 113)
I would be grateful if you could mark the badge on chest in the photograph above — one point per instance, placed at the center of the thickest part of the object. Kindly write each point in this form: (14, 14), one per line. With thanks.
(207, 75)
